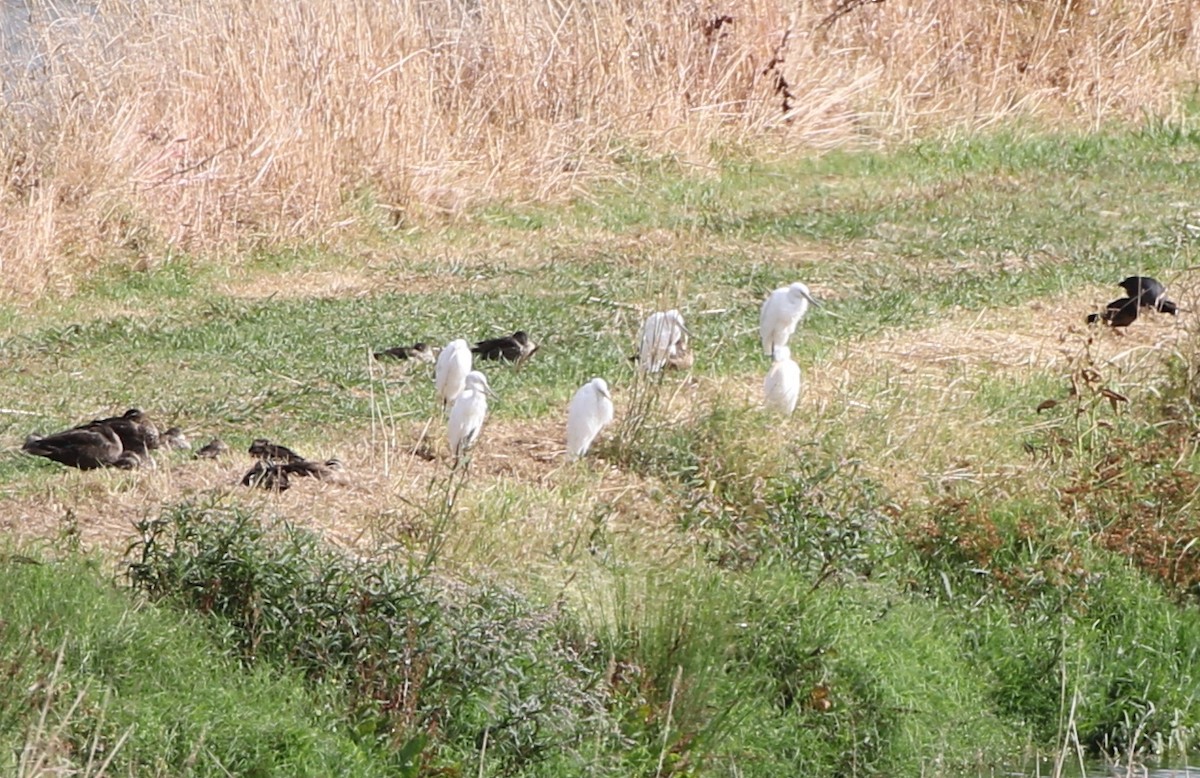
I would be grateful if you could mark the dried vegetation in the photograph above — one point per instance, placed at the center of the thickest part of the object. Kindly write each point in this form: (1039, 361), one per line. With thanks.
(216, 128)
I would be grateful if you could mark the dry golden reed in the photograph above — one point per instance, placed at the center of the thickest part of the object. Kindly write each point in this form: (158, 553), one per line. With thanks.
(227, 125)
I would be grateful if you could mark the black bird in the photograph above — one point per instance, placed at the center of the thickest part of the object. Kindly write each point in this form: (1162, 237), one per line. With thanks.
(271, 452)
(136, 431)
(1118, 313)
(86, 449)
(513, 348)
(1150, 293)
(419, 352)
(267, 475)
(212, 449)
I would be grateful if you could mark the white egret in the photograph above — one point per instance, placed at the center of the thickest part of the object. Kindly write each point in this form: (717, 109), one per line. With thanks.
(450, 374)
(781, 389)
(663, 338)
(782, 311)
(590, 410)
(468, 413)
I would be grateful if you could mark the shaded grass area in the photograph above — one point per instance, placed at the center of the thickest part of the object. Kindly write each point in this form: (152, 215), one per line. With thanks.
(925, 571)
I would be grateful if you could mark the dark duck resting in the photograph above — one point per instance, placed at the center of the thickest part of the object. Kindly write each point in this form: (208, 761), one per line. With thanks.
(135, 430)
(86, 449)
(175, 439)
(129, 461)
(266, 475)
(1118, 313)
(512, 348)
(271, 452)
(329, 470)
(419, 352)
(1150, 293)
(212, 449)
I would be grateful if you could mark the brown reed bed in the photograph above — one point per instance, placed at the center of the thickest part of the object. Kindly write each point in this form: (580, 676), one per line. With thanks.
(223, 127)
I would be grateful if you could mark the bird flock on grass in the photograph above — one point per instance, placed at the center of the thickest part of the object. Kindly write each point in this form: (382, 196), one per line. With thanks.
(125, 441)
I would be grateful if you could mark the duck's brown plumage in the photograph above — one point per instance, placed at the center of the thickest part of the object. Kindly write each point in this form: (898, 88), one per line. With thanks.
(329, 470)
(86, 449)
(273, 452)
(420, 352)
(266, 475)
(212, 449)
(175, 439)
(136, 431)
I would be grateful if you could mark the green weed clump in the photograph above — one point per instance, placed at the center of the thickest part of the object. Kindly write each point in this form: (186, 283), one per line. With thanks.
(469, 669)
(754, 496)
(760, 671)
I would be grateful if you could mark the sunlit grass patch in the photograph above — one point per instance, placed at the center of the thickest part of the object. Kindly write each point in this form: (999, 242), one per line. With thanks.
(969, 468)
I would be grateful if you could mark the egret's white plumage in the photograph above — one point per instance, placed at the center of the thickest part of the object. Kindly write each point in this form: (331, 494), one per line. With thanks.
(450, 373)
(781, 389)
(468, 413)
(782, 311)
(663, 337)
(590, 410)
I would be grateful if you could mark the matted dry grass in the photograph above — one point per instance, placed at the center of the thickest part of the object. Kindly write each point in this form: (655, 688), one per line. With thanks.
(389, 498)
(905, 405)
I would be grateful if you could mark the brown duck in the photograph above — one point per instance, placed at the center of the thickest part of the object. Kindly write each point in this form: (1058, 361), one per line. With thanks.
(267, 475)
(135, 430)
(329, 470)
(212, 449)
(272, 452)
(86, 449)
(174, 439)
(418, 352)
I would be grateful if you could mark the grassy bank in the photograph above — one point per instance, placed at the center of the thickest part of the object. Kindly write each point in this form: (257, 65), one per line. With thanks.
(213, 129)
(96, 685)
(928, 569)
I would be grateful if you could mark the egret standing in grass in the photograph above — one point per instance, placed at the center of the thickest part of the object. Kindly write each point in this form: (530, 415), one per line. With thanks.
(591, 409)
(468, 413)
(450, 373)
(782, 311)
(781, 389)
(663, 338)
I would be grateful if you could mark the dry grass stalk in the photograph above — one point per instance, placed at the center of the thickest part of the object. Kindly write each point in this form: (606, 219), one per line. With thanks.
(230, 125)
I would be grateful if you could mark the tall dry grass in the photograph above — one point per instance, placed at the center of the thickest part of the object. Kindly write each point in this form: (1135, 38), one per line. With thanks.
(213, 127)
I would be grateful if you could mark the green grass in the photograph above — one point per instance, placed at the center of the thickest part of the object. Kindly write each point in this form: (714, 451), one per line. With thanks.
(94, 679)
(916, 574)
